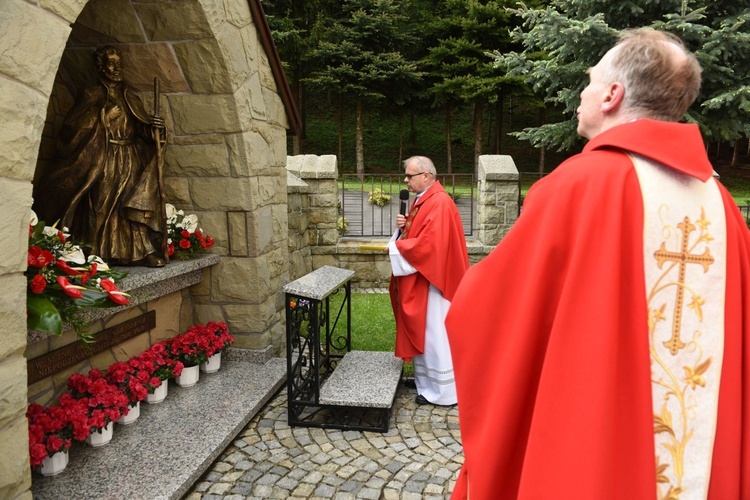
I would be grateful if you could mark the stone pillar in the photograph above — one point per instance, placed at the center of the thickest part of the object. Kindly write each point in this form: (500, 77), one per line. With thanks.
(497, 199)
(32, 42)
(320, 175)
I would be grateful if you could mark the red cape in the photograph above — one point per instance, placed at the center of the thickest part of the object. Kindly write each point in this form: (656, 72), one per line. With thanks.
(549, 336)
(436, 247)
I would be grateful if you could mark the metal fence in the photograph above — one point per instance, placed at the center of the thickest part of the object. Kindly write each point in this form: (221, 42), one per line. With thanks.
(370, 204)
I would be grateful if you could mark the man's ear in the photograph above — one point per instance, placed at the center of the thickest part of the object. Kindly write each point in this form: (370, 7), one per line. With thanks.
(614, 97)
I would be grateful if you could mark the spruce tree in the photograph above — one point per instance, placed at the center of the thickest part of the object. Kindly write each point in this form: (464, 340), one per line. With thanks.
(562, 40)
(362, 59)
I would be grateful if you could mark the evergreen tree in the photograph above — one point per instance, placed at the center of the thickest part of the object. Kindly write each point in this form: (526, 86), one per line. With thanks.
(295, 26)
(461, 34)
(361, 58)
(562, 40)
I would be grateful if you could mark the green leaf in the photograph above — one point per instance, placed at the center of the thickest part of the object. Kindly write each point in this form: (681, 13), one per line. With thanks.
(42, 315)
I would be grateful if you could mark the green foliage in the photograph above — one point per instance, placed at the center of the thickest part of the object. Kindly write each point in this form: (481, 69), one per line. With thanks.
(564, 38)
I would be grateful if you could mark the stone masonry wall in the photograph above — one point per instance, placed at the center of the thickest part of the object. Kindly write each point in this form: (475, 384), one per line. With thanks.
(225, 160)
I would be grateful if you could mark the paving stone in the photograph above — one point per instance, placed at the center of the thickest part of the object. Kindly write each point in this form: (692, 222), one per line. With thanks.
(242, 488)
(418, 458)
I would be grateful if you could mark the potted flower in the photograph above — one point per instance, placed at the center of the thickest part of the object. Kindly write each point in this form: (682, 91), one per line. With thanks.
(62, 281)
(50, 437)
(133, 379)
(218, 339)
(184, 237)
(191, 348)
(162, 367)
(105, 403)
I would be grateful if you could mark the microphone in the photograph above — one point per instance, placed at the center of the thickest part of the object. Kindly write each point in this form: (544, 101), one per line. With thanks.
(404, 197)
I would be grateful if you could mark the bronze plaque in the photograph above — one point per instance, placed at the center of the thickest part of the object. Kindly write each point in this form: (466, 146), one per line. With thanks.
(67, 356)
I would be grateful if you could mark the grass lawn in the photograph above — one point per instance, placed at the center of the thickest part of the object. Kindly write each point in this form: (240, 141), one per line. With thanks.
(373, 325)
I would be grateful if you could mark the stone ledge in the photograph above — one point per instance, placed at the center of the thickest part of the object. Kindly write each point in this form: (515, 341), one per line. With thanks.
(163, 453)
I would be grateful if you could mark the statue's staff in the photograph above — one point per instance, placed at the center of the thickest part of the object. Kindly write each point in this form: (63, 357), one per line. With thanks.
(159, 170)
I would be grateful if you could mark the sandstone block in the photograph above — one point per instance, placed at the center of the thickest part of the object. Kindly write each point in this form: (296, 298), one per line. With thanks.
(23, 111)
(234, 55)
(206, 160)
(241, 280)
(177, 191)
(13, 314)
(222, 194)
(124, 27)
(205, 313)
(31, 44)
(174, 21)
(238, 245)
(251, 318)
(15, 205)
(204, 114)
(261, 230)
(201, 62)
(15, 476)
(12, 389)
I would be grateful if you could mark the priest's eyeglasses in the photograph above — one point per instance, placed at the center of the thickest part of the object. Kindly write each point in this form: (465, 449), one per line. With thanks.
(409, 176)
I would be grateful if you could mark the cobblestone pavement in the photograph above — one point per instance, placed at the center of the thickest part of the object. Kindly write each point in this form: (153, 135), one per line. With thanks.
(418, 458)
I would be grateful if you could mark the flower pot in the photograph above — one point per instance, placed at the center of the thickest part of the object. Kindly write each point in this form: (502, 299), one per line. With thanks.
(132, 416)
(159, 394)
(189, 377)
(102, 436)
(213, 364)
(55, 464)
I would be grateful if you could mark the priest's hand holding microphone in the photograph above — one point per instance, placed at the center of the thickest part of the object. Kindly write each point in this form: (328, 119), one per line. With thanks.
(403, 197)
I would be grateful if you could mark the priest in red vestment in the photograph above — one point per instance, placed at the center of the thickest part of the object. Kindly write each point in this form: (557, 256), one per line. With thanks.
(428, 258)
(602, 350)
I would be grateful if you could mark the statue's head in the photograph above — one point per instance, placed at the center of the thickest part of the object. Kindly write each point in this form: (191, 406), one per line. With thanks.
(108, 62)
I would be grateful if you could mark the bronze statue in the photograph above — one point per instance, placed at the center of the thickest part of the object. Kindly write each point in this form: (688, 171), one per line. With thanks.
(107, 187)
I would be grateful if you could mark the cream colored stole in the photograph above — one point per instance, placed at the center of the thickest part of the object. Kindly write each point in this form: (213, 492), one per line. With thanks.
(684, 234)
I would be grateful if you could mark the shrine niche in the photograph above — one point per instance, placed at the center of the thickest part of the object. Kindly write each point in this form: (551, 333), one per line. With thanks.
(227, 107)
(106, 179)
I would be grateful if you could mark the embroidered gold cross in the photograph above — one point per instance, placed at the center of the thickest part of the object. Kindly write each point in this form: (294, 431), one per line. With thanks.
(683, 257)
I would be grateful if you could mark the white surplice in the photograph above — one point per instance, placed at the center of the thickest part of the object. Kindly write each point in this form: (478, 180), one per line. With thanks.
(433, 370)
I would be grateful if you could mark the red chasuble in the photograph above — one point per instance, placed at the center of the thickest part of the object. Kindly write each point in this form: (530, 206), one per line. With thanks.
(549, 336)
(435, 245)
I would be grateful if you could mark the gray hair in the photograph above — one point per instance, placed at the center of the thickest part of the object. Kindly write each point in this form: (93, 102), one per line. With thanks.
(661, 77)
(423, 163)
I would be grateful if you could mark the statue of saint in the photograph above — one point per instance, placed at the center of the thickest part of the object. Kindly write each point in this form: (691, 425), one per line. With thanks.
(107, 187)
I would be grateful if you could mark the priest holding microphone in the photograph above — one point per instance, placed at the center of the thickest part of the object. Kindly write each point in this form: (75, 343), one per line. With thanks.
(428, 259)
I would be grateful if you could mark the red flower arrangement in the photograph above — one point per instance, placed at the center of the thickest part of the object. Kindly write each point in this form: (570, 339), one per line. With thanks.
(219, 337)
(104, 401)
(162, 367)
(62, 281)
(133, 378)
(50, 431)
(191, 347)
(199, 342)
(184, 237)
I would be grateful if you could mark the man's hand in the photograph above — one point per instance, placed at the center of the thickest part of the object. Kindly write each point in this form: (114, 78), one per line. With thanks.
(400, 221)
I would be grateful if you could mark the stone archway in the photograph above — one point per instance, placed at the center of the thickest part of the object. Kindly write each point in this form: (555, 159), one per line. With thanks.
(226, 160)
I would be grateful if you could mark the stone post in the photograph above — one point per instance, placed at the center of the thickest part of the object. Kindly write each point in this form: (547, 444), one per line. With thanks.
(317, 216)
(497, 199)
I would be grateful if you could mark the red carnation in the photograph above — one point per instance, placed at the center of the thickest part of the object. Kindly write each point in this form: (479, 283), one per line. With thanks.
(38, 284)
(184, 244)
(170, 249)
